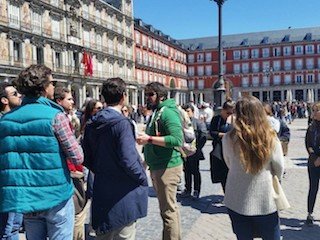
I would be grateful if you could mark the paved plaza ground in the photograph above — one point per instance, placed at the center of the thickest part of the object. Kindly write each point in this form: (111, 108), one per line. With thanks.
(207, 218)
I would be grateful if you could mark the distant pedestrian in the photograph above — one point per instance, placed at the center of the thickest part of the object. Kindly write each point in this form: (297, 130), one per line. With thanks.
(313, 147)
(219, 126)
(120, 190)
(253, 154)
(36, 140)
(191, 163)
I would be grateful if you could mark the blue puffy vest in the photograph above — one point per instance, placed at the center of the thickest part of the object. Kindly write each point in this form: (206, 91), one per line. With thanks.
(33, 171)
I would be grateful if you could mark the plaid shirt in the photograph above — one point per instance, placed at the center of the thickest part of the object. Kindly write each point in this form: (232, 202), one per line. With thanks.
(67, 140)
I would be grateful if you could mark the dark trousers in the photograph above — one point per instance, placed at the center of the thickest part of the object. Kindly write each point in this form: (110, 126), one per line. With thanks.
(247, 227)
(314, 176)
(191, 168)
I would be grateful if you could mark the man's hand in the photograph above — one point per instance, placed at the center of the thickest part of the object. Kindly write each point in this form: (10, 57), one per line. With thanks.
(142, 138)
(317, 162)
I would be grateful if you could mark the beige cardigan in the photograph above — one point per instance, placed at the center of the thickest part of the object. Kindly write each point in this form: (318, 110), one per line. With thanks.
(249, 194)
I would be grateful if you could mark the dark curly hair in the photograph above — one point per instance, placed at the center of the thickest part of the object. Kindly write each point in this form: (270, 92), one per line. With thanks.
(33, 80)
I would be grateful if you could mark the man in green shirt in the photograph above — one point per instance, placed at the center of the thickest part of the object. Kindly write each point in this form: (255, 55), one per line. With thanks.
(163, 136)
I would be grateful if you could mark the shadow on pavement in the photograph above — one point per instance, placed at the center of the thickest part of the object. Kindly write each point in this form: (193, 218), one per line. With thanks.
(211, 204)
(297, 229)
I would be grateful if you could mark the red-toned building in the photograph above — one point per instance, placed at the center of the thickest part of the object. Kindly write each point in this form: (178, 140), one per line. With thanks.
(274, 65)
(159, 58)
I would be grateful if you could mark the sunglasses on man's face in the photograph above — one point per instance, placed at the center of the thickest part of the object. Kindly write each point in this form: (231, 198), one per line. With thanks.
(150, 94)
(15, 94)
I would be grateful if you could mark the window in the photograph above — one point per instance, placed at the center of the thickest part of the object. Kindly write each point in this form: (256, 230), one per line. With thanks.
(86, 38)
(40, 56)
(299, 79)
(58, 62)
(255, 81)
(55, 29)
(200, 57)
(266, 81)
(245, 82)
(14, 16)
(191, 84)
(310, 63)
(16, 51)
(137, 34)
(287, 79)
(309, 49)
(310, 78)
(276, 65)
(265, 65)
(298, 64)
(98, 16)
(149, 42)
(200, 70)
(245, 54)
(318, 51)
(36, 22)
(287, 64)
(99, 42)
(85, 11)
(200, 84)
(254, 53)
(276, 51)
(144, 41)
(191, 71)
(255, 67)
(276, 79)
(208, 57)
(287, 50)
(245, 67)
(55, 3)
(208, 70)
(265, 52)
(298, 50)
(190, 58)
(236, 55)
(236, 68)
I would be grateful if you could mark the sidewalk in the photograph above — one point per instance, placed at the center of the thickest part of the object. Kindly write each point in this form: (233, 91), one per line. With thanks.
(215, 223)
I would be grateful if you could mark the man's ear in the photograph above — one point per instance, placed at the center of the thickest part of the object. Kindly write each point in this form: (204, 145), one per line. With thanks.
(4, 101)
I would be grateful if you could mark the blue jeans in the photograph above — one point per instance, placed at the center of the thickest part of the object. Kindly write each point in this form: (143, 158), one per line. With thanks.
(56, 223)
(247, 227)
(10, 224)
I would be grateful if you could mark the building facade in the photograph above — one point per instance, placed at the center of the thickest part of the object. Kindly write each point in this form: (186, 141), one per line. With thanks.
(160, 58)
(273, 66)
(70, 37)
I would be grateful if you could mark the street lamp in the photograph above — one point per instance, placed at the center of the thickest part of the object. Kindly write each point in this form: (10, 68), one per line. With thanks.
(220, 88)
(267, 72)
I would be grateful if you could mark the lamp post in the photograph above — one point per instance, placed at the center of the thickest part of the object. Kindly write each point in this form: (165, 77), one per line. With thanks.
(220, 87)
(267, 72)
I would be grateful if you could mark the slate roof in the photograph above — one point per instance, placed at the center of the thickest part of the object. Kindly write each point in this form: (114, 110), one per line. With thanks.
(257, 38)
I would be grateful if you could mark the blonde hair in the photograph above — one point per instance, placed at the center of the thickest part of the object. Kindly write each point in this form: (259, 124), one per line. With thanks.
(253, 133)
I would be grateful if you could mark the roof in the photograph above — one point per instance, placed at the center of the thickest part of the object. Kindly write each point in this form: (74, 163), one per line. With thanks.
(257, 38)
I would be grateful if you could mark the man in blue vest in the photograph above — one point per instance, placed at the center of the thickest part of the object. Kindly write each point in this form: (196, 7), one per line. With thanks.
(36, 141)
(10, 223)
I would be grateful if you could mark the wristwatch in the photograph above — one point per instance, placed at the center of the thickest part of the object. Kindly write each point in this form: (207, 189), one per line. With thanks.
(150, 140)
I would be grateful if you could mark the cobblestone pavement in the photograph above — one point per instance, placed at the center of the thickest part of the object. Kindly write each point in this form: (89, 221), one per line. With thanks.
(206, 218)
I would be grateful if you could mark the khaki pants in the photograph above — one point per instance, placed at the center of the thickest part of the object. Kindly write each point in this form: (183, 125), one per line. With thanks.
(165, 182)
(127, 232)
(79, 221)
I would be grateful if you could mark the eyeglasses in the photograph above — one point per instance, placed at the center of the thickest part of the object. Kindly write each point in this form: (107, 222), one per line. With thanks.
(150, 94)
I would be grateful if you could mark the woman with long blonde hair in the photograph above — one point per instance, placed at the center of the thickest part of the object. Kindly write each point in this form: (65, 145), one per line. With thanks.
(253, 154)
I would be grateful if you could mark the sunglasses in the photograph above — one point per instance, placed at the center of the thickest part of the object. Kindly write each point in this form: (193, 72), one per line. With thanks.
(54, 83)
(98, 108)
(125, 110)
(150, 94)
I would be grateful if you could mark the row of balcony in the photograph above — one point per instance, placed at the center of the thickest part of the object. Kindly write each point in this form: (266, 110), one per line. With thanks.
(160, 67)
(269, 84)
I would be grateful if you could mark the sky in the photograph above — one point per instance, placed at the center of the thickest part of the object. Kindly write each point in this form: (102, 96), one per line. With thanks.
(184, 19)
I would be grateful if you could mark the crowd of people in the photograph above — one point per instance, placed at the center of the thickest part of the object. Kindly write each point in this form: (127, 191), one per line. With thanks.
(56, 161)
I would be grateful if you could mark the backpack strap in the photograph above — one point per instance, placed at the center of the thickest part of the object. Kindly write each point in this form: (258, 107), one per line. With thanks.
(157, 120)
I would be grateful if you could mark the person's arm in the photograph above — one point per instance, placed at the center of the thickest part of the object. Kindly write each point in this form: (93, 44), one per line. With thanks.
(277, 160)
(70, 147)
(202, 134)
(129, 158)
(170, 120)
(226, 145)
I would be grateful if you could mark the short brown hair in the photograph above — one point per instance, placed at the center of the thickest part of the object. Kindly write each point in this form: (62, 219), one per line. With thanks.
(33, 80)
(60, 93)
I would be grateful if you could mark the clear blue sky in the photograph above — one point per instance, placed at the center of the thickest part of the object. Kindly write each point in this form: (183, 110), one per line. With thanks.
(182, 19)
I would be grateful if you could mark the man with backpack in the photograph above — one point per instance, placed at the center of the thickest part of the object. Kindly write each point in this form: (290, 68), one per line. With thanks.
(161, 141)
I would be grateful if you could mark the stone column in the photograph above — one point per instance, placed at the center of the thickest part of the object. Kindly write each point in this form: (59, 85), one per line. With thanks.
(11, 52)
(282, 95)
(142, 97)
(97, 90)
(23, 54)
